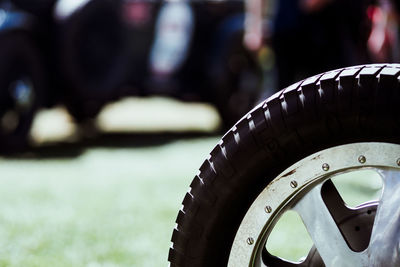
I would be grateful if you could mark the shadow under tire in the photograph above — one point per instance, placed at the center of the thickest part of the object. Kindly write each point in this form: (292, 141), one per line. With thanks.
(342, 107)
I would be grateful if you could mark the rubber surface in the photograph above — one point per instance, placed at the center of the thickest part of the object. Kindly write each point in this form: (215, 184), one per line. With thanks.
(93, 58)
(354, 104)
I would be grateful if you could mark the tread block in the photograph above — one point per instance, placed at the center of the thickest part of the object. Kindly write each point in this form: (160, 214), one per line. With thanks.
(184, 225)
(190, 206)
(309, 91)
(290, 105)
(368, 81)
(239, 144)
(220, 162)
(274, 117)
(390, 71)
(207, 173)
(345, 92)
(260, 127)
(198, 188)
(327, 95)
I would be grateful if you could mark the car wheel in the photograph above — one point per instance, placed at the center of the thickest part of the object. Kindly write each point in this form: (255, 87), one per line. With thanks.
(283, 155)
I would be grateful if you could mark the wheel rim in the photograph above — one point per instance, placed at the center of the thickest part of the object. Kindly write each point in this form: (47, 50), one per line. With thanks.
(306, 188)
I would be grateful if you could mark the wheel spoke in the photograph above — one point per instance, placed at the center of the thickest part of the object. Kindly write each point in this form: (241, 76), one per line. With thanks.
(324, 231)
(384, 245)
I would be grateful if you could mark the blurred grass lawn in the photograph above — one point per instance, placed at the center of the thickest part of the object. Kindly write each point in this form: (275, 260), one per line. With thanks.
(108, 207)
(113, 206)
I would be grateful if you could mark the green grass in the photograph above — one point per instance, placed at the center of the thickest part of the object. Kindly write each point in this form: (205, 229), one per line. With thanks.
(107, 207)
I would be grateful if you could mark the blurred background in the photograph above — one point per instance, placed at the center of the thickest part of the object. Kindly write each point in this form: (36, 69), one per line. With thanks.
(108, 108)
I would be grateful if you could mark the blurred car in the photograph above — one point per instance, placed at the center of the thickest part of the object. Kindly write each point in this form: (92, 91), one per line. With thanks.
(86, 53)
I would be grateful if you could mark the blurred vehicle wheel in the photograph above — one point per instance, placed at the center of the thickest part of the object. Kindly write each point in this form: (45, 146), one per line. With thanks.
(93, 54)
(22, 82)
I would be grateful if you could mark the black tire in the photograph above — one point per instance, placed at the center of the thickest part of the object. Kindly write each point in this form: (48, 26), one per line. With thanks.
(22, 83)
(345, 106)
(93, 55)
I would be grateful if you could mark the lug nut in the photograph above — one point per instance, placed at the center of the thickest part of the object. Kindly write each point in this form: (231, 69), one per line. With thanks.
(268, 209)
(325, 167)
